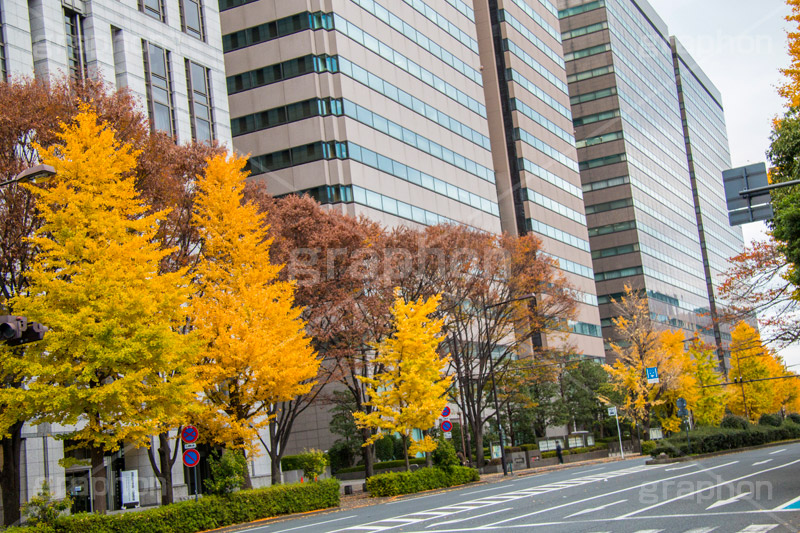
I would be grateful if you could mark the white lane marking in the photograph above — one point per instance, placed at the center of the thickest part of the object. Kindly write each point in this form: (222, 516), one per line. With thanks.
(650, 531)
(593, 509)
(787, 504)
(777, 451)
(315, 524)
(467, 518)
(707, 488)
(758, 528)
(720, 503)
(592, 470)
(762, 462)
(479, 491)
(649, 483)
(701, 530)
(679, 468)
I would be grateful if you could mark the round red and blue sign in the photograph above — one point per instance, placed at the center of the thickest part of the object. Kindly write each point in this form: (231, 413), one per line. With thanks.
(191, 458)
(446, 411)
(446, 426)
(189, 434)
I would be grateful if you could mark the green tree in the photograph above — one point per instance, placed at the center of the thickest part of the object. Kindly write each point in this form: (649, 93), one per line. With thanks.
(113, 317)
(582, 383)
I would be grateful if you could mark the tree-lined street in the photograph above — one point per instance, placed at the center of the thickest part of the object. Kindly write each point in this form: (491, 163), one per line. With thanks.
(753, 491)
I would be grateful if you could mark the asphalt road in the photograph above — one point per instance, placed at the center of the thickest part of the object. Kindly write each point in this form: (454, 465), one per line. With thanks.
(753, 492)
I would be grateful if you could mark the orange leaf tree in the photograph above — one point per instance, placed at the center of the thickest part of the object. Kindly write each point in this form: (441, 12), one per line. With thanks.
(255, 350)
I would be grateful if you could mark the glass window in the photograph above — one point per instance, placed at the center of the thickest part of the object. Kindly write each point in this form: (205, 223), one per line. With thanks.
(192, 18)
(76, 52)
(200, 109)
(154, 8)
(158, 78)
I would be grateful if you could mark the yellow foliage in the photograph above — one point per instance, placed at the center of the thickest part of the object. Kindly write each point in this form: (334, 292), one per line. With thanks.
(255, 348)
(751, 360)
(791, 88)
(410, 392)
(112, 357)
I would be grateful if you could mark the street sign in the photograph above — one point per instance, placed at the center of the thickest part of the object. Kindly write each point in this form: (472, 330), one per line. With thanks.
(191, 458)
(446, 426)
(445, 412)
(683, 412)
(652, 375)
(681, 403)
(191, 446)
(448, 435)
(612, 411)
(189, 434)
(748, 208)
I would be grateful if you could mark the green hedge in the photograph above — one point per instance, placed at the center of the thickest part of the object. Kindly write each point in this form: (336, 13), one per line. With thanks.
(209, 512)
(382, 466)
(709, 440)
(394, 483)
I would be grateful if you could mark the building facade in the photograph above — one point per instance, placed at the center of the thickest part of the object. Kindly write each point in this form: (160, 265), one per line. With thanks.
(708, 155)
(644, 223)
(166, 52)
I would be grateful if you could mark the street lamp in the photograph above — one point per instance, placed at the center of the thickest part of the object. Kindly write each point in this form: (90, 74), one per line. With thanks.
(31, 174)
(494, 383)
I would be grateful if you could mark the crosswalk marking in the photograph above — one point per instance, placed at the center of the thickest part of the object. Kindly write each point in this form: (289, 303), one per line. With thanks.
(759, 528)
(702, 530)
(497, 499)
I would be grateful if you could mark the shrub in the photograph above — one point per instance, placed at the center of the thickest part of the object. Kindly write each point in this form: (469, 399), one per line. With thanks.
(708, 440)
(42, 509)
(395, 483)
(648, 446)
(312, 463)
(794, 417)
(340, 456)
(227, 472)
(444, 455)
(529, 447)
(734, 422)
(773, 420)
(384, 448)
(210, 512)
(383, 466)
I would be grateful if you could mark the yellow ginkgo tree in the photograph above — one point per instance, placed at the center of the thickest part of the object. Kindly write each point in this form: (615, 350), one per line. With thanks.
(113, 319)
(255, 350)
(410, 392)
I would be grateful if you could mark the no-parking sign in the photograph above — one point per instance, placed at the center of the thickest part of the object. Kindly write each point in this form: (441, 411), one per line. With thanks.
(446, 426)
(189, 434)
(191, 458)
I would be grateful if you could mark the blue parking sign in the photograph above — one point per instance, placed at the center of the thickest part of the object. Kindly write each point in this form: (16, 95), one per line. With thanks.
(652, 375)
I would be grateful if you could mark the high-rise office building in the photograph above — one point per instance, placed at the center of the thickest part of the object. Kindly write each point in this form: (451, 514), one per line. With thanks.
(166, 52)
(647, 200)
(708, 155)
(535, 161)
(375, 106)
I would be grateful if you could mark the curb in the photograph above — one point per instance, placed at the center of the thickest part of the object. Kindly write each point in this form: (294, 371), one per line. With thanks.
(687, 458)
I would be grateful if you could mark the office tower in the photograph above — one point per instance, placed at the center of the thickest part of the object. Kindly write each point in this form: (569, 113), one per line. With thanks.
(375, 106)
(708, 156)
(639, 193)
(530, 124)
(166, 52)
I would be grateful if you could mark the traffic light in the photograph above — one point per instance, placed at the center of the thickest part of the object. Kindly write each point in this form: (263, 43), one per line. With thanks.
(16, 330)
(12, 327)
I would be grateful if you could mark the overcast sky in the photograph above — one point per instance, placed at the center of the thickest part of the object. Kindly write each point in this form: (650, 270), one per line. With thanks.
(741, 45)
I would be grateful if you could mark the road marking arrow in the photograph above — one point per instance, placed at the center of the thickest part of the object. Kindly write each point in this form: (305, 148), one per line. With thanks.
(593, 509)
(726, 502)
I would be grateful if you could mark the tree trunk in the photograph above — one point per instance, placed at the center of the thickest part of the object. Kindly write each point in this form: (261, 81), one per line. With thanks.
(366, 453)
(99, 481)
(166, 469)
(248, 481)
(9, 475)
(405, 453)
(468, 435)
(479, 447)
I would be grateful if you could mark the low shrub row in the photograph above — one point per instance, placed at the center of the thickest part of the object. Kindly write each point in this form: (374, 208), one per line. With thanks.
(209, 512)
(382, 466)
(576, 451)
(708, 440)
(395, 483)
